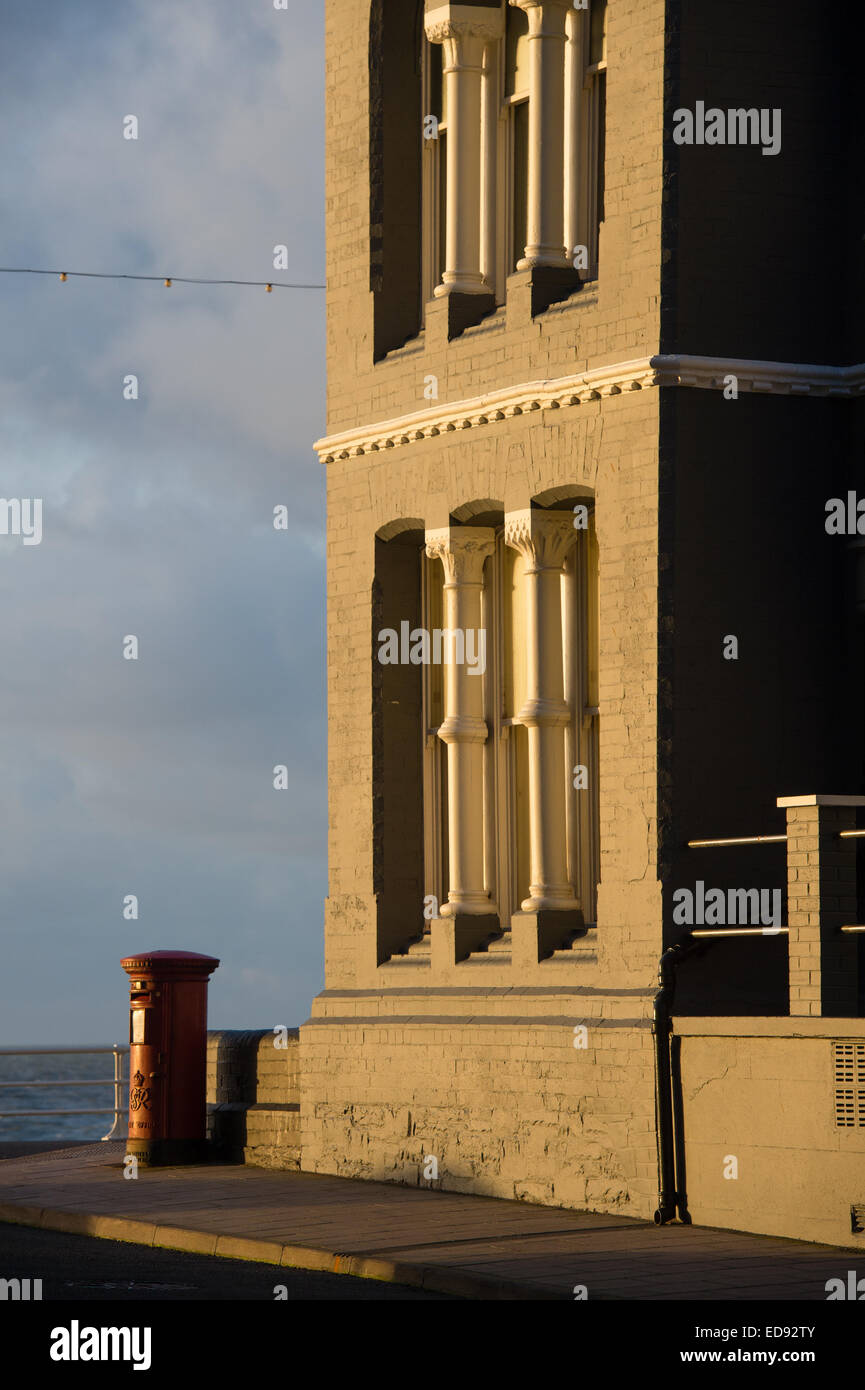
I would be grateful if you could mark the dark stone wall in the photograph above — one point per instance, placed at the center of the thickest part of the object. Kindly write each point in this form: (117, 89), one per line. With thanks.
(762, 258)
(764, 254)
(744, 551)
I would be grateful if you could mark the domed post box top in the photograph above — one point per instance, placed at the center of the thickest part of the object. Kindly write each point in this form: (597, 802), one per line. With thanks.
(172, 965)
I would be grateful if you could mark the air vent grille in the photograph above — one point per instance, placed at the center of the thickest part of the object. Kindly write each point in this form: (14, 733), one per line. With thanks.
(849, 1085)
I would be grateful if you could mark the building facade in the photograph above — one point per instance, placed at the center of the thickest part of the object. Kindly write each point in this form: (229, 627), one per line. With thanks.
(594, 276)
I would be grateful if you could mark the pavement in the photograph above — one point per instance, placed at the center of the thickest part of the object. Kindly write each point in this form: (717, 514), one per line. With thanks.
(449, 1243)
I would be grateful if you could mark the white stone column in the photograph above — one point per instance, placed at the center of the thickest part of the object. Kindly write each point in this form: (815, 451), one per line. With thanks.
(462, 551)
(543, 539)
(464, 31)
(546, 220)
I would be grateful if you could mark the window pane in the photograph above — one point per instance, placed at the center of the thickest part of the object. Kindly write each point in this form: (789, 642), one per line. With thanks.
(435, 619)
(443, 206)
(592, 616)
(601, 80)
(514, 632)
(516, 52)
(592, 691)
(520, 178)
(520, 736)
(436, 82)
(444, 870)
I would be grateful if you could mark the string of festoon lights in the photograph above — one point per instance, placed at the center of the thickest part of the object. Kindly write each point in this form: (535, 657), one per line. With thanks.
(166, 280)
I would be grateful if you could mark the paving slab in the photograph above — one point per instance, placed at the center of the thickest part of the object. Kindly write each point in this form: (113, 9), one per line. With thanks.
(457, 1243)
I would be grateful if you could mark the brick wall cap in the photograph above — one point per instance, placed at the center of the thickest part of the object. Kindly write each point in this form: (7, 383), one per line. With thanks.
(817, 799)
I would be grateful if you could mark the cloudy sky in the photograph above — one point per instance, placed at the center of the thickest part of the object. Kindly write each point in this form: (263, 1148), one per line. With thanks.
(155, 777)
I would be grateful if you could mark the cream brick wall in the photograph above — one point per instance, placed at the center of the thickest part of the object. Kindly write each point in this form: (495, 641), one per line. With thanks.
(610, 446)
(615, 321)
(766, 1098)
(488, 1079)
(506, 1104)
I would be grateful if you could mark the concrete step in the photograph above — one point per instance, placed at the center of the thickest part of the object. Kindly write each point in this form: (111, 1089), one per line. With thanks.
(496, 950)
(421, 947)
(418, 952)
(579, 946)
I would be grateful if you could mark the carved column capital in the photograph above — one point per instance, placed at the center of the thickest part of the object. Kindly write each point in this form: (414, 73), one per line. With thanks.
(462, 551)
(542, 538)
(463, 22)
(544, 15)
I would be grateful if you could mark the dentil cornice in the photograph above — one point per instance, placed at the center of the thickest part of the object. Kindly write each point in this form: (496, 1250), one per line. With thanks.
(639, 374)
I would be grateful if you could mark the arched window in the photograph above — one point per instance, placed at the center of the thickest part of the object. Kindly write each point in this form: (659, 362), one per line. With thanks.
(508, 771)
(521, 210)
(582, 650)
(580, 683)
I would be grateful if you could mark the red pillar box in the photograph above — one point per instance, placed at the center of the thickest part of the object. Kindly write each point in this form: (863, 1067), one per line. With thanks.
(168, 1055)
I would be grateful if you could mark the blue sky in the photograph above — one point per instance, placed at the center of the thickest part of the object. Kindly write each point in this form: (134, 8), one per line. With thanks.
(154, 777)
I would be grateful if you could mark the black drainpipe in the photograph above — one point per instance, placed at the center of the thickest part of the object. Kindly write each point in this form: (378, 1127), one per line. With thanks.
(669, 1198)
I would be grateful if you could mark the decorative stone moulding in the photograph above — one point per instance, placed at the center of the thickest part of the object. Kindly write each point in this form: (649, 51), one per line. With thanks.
(462, 21)
(702, 373)
(774, 378)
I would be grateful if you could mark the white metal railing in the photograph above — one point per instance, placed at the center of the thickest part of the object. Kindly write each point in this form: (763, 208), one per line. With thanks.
(768, 840)
(739, 840)
(119, 1050)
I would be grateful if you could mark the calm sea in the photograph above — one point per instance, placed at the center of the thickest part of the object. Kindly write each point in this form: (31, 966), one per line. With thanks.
(46, 1066)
